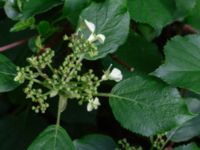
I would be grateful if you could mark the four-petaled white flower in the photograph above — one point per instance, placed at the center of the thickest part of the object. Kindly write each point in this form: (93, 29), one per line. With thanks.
(93, 104)
(115, 75)
(93, 36)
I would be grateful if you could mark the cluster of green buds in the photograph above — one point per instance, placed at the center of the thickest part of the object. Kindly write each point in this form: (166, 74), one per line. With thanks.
(82, 45)
(124, 145)
(67, 80)
(159, 142)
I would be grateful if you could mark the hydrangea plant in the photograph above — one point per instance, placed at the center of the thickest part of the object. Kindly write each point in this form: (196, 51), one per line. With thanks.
(99, 74)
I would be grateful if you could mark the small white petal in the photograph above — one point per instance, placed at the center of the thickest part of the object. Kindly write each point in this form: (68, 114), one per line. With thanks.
(116, 75)
(89, 107)
(90, 25)
(101, 38)
(91, 38)
(96, 102)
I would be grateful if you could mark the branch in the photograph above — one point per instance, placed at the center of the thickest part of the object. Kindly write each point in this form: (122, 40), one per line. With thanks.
(13, 45)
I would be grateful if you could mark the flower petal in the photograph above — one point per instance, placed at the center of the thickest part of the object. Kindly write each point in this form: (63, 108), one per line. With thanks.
(101, 38)
(90, 25)
(116, 75)
(89, 107)
(96, 101)
(91, 38)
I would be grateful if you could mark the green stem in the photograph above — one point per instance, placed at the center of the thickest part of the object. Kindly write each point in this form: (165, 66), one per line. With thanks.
(51, 68)
(45, 76)
(62, 103)
(60, 110)
(74, 69)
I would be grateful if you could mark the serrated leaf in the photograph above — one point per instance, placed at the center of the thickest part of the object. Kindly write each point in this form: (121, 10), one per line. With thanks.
(110, 17)
(191, 146)
(33, 7)
(148, 106)
(52, 138)
(181, 67)
(95, 142)
(7, 74)
(191, 128)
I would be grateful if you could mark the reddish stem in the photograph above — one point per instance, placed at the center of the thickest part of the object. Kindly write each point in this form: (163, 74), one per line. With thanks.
(13, 45)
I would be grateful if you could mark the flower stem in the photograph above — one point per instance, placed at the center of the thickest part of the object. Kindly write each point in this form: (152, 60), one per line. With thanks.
(62, 103)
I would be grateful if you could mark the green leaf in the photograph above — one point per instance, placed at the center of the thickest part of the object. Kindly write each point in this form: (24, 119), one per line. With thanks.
(44, 27)
(34, 7)
(191, 146)
(148, 106)
(110, 17)
(181, 67)
(191, 128)
(22, 25)
(95, 142)
(73, 8)
(7, 74)
(52, 138)
(159, 13)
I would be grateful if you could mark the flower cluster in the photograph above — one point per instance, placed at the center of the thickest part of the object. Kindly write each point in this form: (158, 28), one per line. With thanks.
(82, 45)
(64, 80)
(67, 79)
(33, 73)
(159, 142)
(126, 146)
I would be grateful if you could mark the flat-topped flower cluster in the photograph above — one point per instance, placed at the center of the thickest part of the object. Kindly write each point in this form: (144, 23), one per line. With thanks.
(67, 79)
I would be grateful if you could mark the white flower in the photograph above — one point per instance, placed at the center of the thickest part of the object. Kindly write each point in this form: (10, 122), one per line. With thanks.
(115, 75)
(93, 37)
(93, 104)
